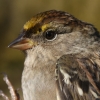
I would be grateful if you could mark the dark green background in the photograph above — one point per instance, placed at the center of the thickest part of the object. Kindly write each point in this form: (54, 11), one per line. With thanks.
(13, 15)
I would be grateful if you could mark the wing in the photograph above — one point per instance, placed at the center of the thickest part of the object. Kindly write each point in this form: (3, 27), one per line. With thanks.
(77, 78)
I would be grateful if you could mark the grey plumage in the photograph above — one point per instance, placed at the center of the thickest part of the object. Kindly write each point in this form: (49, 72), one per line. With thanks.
(57, 41)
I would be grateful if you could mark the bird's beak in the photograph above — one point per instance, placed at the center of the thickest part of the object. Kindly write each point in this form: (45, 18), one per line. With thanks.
(21, 43)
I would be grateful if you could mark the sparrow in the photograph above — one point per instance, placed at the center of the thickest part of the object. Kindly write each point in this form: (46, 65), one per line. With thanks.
(62, 58)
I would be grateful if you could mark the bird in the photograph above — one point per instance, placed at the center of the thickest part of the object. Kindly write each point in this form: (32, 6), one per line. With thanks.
(62, 57)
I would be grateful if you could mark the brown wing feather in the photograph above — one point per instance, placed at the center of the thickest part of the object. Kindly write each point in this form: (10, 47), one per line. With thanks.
(77, 78)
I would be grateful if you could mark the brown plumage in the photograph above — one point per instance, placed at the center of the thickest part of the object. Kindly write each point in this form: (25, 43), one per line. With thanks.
(62, 58)
(83, 82)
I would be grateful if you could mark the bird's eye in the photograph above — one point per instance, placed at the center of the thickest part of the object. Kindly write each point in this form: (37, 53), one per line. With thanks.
(50, 35)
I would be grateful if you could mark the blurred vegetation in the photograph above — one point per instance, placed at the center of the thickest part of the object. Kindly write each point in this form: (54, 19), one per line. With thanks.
(13, 15)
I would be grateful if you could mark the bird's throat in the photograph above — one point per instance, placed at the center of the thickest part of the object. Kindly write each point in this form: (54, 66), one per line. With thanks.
(38, 76)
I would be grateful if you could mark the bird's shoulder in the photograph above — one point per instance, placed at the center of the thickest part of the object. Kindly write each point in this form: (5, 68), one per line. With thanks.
(78, 77)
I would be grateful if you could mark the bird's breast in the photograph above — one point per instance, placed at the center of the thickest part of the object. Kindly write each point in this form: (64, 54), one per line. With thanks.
(38, 79)
(38, 86)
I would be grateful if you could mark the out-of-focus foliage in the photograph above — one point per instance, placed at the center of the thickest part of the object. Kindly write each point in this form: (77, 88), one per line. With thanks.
(13, 15)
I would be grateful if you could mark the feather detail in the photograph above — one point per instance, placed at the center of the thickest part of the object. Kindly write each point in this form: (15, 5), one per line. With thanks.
(77, 78)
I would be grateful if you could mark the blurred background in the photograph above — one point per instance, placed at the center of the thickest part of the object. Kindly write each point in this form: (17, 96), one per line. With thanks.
(13, 15)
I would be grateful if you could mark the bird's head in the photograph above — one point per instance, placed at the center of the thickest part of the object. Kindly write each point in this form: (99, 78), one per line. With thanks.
(54, 30)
